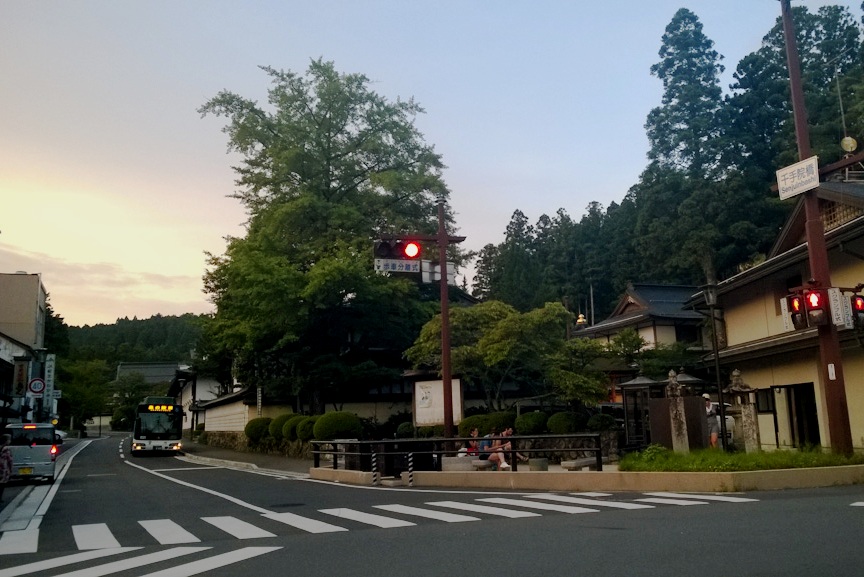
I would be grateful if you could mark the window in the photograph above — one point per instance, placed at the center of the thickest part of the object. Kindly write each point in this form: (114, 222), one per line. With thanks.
(765, 400)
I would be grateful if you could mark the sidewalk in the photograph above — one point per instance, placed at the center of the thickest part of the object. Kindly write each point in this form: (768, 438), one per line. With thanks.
(218, 455)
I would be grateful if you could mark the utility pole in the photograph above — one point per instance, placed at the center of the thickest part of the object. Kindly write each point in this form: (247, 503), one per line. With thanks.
(831, 366)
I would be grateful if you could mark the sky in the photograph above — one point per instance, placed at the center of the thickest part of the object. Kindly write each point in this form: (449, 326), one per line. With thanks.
(113, 187)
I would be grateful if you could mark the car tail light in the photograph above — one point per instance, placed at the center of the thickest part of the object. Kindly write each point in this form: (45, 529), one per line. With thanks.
(53, 452)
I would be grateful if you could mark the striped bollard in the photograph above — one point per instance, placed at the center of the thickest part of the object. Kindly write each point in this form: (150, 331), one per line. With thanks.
(410, 469)
(374, 469)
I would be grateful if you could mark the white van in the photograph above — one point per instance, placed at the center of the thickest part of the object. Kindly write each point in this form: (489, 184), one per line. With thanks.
(34, 450)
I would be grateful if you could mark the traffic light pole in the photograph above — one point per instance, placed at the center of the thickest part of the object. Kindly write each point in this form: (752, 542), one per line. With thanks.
(443, 240)
(836, 407)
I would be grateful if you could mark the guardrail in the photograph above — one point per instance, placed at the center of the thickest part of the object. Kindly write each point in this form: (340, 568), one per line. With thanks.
(387, 456)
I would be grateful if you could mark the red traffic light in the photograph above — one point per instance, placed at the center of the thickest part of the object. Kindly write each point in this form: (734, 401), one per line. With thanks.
(858, 311)
(795, 305)
(411, 249)
(817, 307)
(398, 250)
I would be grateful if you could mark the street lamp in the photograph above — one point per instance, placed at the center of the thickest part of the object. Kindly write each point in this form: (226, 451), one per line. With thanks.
(709, 291)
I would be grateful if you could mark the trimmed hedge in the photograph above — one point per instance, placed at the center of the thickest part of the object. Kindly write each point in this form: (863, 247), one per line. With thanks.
(500, 420)
(601, 422)
(257, 429)
(405, 431)
(305, 428)
(468, 423)
(289, 429)
(338, 425)
(565, 423)
(533, 423)
(277, 424)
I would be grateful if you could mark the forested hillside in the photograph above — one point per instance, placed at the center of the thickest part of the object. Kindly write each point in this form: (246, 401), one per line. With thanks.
(166, 339)
(703, 208)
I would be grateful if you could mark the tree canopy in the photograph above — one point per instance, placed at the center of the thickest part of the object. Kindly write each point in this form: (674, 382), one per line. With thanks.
(327, 167)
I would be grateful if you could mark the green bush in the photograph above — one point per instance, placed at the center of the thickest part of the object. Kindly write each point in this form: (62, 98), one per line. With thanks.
(257, 429)
(468, 423)
(289, 429)
(338, 425)
(501, 420)
(305, 428)
(533, 423)
(405, 431)
(601, 422)
(659, 458)
(565, 423)
(276, 426)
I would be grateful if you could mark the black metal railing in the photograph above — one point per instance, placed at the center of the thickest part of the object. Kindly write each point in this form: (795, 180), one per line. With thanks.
(391, 456)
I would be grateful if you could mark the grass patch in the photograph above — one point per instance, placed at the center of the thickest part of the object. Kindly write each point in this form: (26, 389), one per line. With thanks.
(660, 459)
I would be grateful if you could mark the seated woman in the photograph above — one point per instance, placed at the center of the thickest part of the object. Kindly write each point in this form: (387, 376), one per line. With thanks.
(494, 451)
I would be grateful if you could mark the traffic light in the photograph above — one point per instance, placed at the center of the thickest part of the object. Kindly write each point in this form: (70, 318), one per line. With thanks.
(816, 303)
(795, 305)
(399, 249)
(858, 311)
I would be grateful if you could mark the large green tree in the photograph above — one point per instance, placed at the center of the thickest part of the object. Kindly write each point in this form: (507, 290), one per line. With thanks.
(326, 167)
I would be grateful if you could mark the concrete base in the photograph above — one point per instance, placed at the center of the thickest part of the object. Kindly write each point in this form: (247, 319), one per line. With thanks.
(538, 464)
(561, 480)
(456, 464)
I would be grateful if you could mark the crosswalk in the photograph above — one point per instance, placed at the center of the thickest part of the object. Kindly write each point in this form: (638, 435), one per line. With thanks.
(170, 532)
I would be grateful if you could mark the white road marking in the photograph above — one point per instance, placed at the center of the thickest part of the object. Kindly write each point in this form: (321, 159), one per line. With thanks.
(40, 566)
(125, 565)
(167, 532)
(542, 506)
(368, 518)
(303, 523)
(238, 528)
(473, 507)
(211, 563)
(25, 541)
(700, 496)
(437, 515)
(661, 501)
(94, 536)
(858, 504)
(234, 500)
(590, 502)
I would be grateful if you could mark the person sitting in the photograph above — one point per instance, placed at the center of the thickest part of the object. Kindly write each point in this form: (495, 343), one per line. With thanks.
(508, 447)
(494, 450)
(472, 447)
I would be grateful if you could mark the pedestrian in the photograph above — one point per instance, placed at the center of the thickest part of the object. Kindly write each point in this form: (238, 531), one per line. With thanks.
(5, 462)
(713, 423)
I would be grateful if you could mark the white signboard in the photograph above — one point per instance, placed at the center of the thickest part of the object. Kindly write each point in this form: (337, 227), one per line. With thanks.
(429, 403)
(841, 309)
(784, 312)
(396, 265)
(798, 178)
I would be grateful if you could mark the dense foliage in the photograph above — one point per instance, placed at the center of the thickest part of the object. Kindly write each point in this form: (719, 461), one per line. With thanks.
(661, 459)
(326, 168)
(702, 209)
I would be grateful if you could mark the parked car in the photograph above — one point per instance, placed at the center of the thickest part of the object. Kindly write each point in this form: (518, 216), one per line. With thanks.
(34, 450)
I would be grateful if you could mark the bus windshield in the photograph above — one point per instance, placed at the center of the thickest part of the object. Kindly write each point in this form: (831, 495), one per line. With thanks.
(158, 426)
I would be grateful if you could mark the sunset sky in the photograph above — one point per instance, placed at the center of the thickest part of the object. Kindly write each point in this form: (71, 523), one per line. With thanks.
(113, 186)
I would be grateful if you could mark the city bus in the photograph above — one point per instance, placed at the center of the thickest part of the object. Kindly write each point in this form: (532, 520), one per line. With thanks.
(158, 426)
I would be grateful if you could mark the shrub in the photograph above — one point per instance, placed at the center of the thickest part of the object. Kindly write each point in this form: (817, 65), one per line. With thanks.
(289, 429)
(565, 423)
(276, 426)
(601, 422)
(468, 423)
(338, 425)
(405, 431)
(257, 429)
(305, 428)
(500, 420)
(533, 423)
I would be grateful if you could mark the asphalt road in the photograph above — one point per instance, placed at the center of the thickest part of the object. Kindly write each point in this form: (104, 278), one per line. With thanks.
(111, 514)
